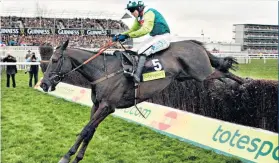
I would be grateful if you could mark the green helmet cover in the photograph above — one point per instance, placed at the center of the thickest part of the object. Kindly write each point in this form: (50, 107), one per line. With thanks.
(134, 4)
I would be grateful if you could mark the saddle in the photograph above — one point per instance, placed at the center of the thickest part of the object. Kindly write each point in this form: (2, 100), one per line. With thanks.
(129, 61)
(153, 68)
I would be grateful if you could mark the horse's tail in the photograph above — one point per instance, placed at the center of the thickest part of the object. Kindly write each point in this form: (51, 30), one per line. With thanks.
(222, 64)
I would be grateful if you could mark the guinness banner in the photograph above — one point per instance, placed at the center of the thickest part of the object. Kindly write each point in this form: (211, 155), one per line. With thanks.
(37, 31)
(86, 32)
(69, 31)
(49, 31)
(97, 32)
(13, 31)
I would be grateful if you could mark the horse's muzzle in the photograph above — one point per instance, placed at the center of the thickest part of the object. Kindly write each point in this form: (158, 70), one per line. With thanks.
(47, 88)
(47, 85)
(44, 86)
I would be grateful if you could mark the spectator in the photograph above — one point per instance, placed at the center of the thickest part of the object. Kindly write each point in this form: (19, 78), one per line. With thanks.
(34, 69)
(28, 55)
(11, 69)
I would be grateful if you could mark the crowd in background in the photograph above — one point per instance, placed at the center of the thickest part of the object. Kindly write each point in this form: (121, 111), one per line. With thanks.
(39, 22)
(85, 41)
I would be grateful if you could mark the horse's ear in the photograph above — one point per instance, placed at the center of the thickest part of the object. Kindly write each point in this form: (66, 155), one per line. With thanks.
(65, 45)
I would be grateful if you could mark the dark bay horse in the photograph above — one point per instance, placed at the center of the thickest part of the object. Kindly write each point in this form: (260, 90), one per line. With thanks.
(181, 61)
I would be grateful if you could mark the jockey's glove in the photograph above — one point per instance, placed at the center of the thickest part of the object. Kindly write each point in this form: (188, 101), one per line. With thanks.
(115, 38)
(122, 37)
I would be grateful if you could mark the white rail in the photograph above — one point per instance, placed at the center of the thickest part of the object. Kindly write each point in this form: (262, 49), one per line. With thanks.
(246, 58)
(19, 63)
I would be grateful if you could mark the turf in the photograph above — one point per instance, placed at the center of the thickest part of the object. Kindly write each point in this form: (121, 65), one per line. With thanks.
(257, 69)
(39, 128)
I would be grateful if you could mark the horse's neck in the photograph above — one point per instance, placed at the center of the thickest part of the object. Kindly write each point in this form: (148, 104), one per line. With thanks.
(92, 70)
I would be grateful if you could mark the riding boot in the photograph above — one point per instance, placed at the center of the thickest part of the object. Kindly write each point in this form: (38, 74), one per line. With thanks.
(137, 75)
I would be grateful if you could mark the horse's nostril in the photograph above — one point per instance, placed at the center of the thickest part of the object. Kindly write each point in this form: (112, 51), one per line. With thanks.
(43, 86)
(52, 88)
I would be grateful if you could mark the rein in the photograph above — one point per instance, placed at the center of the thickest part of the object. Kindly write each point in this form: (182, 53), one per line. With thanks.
(101, 50)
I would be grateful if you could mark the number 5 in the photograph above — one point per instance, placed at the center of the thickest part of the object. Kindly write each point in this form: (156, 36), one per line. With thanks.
(156, 64)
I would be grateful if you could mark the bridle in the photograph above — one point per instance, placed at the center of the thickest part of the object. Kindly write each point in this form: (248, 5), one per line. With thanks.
(58, 75)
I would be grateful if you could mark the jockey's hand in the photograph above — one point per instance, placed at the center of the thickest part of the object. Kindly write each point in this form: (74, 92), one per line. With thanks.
(115, 38)
(122, 37)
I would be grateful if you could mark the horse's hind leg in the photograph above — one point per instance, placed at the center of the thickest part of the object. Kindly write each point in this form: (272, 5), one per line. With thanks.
(74, 148)
(102, 112)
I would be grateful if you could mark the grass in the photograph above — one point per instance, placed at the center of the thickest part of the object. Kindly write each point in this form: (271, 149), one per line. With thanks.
(257, 69)
(39, 128)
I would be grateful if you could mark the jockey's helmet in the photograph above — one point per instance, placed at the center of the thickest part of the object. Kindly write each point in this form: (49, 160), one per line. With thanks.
(135, 5)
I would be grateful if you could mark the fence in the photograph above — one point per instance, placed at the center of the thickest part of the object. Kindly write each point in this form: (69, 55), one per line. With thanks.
(246, 58)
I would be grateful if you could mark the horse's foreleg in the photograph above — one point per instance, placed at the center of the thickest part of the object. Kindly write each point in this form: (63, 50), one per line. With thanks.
(102, 112)
(238, 79)
(215, 75)
(66, 158)
(85, 143)
(94, 109)
(219, 75)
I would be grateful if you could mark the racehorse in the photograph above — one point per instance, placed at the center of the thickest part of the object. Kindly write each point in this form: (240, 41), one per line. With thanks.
(112, 88)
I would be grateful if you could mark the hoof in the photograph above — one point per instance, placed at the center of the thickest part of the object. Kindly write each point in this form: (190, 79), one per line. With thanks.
(64, 160)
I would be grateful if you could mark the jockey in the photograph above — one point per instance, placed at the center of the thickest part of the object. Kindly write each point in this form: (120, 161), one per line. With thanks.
(147, 22)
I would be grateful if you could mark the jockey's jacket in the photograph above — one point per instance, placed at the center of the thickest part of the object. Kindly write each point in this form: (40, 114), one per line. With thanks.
(151, 22)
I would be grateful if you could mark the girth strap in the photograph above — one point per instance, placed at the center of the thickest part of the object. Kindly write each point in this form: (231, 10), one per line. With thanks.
(106, 77)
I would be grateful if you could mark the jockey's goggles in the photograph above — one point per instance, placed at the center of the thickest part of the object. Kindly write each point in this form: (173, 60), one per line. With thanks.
(132, 9)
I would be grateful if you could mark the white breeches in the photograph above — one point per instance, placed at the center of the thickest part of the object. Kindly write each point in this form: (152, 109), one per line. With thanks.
(156, 43)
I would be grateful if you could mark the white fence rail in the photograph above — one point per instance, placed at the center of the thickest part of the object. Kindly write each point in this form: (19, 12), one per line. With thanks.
(19, 63)
(246, 58)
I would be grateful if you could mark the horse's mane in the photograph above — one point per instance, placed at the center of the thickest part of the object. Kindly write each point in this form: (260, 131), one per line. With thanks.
(47, 50)
(90, 51)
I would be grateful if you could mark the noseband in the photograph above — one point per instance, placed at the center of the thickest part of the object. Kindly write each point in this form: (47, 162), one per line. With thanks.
(58, 75)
